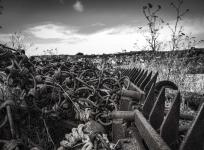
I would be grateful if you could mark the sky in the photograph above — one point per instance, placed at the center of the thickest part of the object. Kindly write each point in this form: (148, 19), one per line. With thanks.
(91, 26)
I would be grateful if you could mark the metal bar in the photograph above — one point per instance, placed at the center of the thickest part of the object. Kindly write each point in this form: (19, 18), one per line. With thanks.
(195, 136)
(150, 83)
(134, 71)
(138, 77)
(151, 137)
(135, 95)
(149, 102)
(170, 127)
(156, 116)
(146, 80)
(125, 104)
(126, 115)
(142, 78)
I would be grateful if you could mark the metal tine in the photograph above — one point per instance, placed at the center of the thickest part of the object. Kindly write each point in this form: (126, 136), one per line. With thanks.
(136, 74)
(133, 73)
(149, 84)
(169, 129)
(125, 72)
(156, 116)
(128, 72)
(139, 76)
(195, 135)
(146, 80)
(149, 102)
(142, 78)
(122, 71)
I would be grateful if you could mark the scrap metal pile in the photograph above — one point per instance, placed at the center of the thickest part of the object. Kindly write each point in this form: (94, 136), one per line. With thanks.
(41, 99)
(49, 103)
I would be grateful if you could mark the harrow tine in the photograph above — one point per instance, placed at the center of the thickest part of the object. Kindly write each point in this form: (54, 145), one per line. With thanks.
(170, 127)
(122, 71)
(138, 77)
(129, 72)
(133, 74)
(136, 74)
(146, 80)
(157, 114)
(150, 83)
(149, 102)
(142, 79)
(125, 72)
(195, 135)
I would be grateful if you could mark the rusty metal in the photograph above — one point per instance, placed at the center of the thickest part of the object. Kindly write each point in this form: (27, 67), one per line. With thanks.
(156, 116)
(135, 95)
(150, 83)
(163, 123)
(126, 115)
(136, 74)
(125, 104)
(170, 127)
(195, 135)
(149, 102)
(129, 104)
(131, 86)
(133, 72)
(142, 78)
(145, 81)
(152, 138)
(165, 84)
(139, 76)
(118, 130)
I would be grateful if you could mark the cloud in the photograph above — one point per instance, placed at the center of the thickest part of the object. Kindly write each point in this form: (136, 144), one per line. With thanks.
(78, 6)
(52, 31)
(194, 26)
(70, 39)
(108, 40)
(99, 24)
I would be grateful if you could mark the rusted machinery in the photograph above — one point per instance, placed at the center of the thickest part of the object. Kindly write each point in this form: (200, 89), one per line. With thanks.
(47, 100)
(154, 128)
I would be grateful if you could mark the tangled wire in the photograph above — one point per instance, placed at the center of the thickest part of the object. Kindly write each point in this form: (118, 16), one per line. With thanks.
(43, 98)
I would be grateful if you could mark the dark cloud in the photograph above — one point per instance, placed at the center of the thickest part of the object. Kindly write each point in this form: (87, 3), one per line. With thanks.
(90, 16)
(19, 14)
